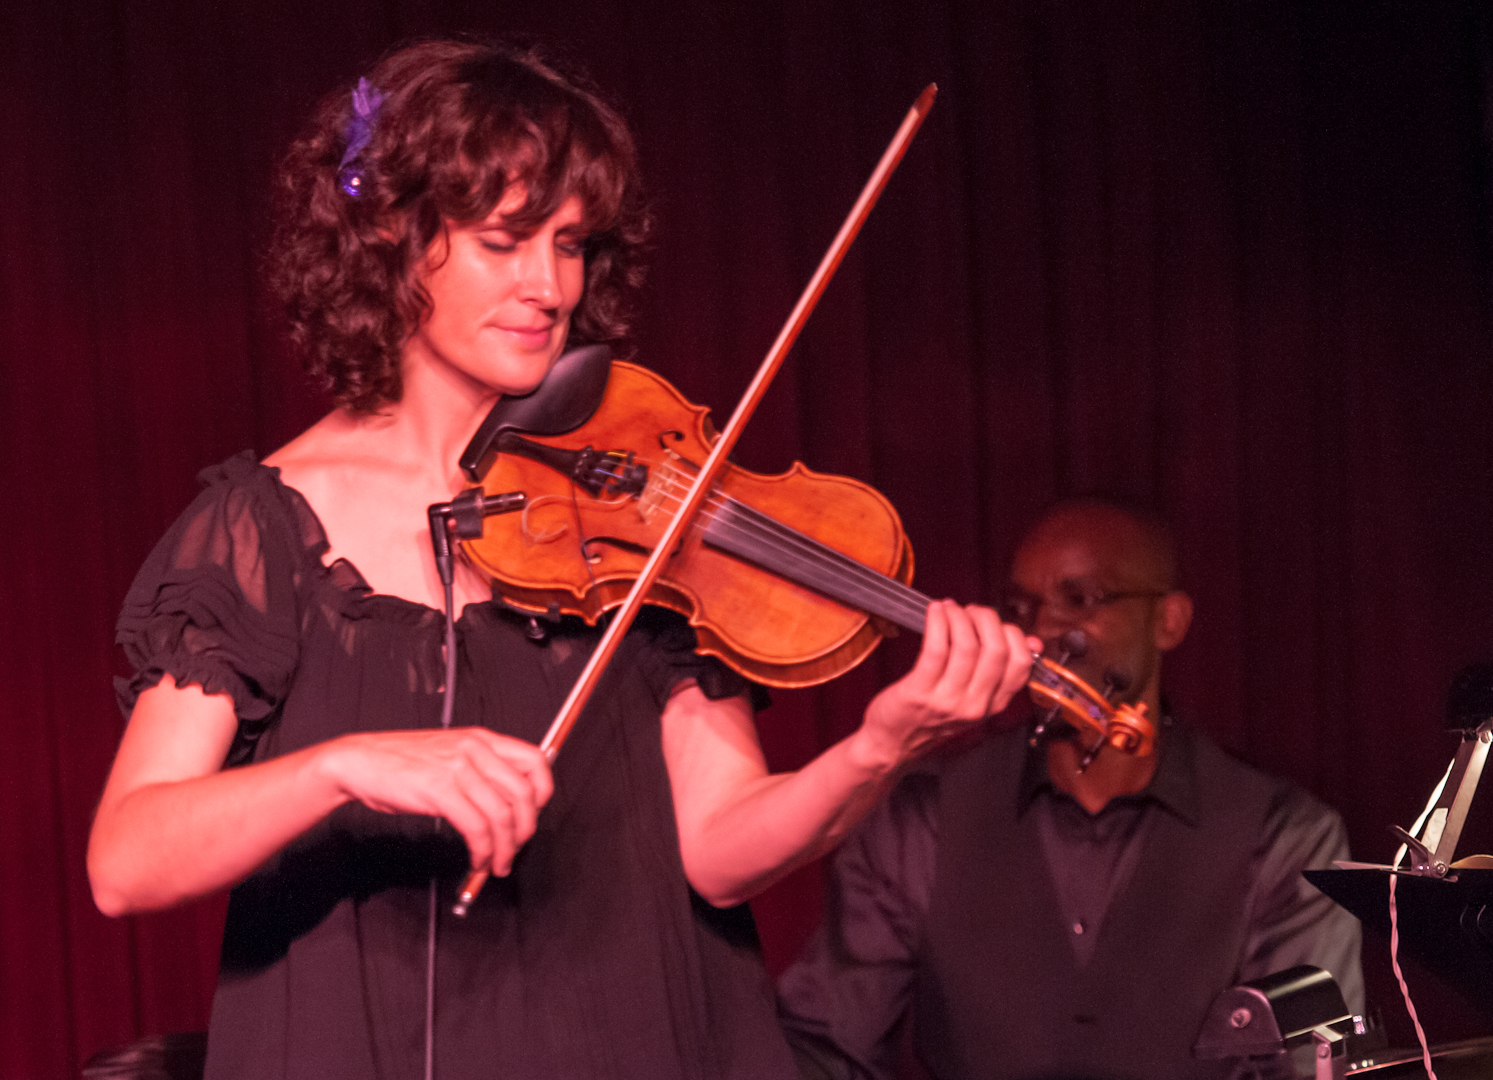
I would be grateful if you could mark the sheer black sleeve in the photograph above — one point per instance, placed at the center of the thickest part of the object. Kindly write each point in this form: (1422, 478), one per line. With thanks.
(672, 660)
(215, 604)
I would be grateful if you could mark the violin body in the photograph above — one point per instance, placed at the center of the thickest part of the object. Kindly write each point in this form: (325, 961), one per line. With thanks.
(598, 498)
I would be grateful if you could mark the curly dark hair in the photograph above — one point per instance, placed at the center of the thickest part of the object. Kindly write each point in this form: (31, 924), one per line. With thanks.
(460, 122)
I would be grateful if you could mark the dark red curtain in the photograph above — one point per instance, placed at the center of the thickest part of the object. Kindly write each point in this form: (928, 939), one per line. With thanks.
(1232, 260)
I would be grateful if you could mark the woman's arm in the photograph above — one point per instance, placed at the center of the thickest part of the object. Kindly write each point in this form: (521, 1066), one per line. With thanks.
(740, 829)
(173, 825)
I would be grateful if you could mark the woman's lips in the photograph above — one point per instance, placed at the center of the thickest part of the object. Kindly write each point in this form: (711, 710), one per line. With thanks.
(533, 336)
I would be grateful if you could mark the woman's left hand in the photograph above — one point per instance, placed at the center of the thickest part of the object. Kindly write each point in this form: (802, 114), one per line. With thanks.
(740, 829)
(969, 667)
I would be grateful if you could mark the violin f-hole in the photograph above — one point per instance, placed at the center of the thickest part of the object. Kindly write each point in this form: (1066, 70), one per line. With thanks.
(594, 557)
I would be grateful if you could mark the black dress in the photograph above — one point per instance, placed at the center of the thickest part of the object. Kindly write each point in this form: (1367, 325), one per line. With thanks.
(593, 959)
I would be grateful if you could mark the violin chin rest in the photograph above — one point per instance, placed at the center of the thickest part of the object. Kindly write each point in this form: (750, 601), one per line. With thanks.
(569, 396)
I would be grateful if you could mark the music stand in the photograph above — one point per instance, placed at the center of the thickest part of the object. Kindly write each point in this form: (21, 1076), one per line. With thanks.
(1445, 908)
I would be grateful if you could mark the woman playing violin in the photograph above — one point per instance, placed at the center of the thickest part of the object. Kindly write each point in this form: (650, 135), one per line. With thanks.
(445, 230)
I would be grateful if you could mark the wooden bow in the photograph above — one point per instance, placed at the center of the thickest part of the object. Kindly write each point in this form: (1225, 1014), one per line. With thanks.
(705, 479)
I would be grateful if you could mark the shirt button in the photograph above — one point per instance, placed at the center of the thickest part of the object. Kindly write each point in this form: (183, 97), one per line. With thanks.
(1078, 926)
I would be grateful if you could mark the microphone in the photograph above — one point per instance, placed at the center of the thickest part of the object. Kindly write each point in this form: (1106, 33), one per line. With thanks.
(465, 513)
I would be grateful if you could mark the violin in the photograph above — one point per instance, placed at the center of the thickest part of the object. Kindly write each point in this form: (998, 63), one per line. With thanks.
(791, 579)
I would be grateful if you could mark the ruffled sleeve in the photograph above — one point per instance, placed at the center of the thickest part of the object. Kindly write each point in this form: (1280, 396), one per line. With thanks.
(216, 602)
(671, 659)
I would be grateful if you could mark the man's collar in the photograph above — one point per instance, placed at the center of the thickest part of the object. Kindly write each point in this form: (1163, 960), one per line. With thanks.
(1173, 786)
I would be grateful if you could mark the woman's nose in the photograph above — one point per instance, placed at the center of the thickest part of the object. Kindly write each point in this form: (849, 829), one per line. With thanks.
(538, 275)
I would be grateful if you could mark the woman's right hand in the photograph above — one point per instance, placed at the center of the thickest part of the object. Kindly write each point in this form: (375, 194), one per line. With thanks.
(173, 825)
(489, 787)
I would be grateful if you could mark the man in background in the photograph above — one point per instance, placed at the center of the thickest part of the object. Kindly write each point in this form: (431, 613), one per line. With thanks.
(1038, 912)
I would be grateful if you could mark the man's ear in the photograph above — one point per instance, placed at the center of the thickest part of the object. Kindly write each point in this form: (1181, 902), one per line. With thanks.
(1173, 617)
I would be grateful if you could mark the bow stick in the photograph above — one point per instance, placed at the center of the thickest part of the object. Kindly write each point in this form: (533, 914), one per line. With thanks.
(581, 692)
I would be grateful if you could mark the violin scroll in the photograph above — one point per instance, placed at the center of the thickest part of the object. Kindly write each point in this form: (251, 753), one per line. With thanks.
(1125, 727)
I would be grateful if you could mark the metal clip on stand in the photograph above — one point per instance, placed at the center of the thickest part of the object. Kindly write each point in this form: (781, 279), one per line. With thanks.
(1331, 1053)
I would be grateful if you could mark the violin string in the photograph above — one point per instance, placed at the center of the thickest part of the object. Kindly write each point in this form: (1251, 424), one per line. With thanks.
(860, 581)
(856, 580)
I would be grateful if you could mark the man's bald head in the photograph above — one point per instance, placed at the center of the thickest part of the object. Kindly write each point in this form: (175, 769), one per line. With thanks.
(1136, 546)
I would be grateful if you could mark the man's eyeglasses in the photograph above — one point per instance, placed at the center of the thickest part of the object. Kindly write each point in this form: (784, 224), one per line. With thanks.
(1071, 602)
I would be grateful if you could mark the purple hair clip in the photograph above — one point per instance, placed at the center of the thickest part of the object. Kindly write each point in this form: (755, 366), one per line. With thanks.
(366, 103)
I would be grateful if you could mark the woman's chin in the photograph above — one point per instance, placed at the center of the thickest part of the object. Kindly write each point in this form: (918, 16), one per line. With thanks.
(523, 378)
(519, 385)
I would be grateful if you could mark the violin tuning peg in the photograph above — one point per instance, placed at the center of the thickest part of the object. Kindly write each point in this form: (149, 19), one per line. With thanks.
(1072, 646)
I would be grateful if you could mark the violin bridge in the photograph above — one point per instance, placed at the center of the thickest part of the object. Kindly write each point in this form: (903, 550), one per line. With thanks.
(666, 486)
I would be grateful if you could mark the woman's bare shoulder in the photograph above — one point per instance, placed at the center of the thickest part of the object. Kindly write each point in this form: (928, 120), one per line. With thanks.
(333, 455)
(367, 498)
(326, 441)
